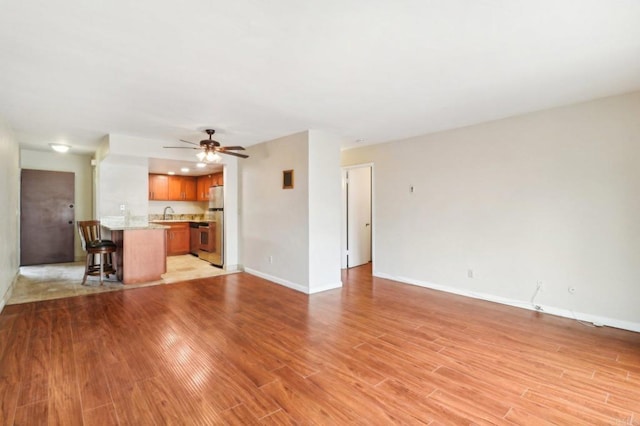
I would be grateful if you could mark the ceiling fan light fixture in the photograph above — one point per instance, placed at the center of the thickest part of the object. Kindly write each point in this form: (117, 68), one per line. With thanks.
(210, 150)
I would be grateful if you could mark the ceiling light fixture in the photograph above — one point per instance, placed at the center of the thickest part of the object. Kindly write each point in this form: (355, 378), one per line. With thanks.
(171, 173)
(58, 147)
(212, 156)
(184, 170)
(209, 155)
(201, 165)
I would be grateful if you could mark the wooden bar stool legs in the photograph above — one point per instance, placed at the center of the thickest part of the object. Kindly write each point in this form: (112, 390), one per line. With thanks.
(100, 262)
(99, 252)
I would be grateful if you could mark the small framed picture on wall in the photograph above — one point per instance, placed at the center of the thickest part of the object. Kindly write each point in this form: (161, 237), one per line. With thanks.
(287, 179)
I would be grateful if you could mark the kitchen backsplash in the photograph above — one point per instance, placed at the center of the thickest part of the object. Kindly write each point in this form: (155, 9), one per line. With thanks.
(179, 216)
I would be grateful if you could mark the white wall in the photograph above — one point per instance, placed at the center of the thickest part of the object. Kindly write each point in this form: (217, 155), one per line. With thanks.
(231, 214)
(324, 211)
(292, 236)
(78, 164)
(550, 196)
(274, 220)
(9, 211)
(123, 181)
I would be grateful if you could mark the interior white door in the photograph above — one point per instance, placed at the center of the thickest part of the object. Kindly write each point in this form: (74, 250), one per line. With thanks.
(358, 216)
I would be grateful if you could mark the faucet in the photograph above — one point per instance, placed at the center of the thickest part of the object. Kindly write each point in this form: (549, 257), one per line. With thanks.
(164, 213)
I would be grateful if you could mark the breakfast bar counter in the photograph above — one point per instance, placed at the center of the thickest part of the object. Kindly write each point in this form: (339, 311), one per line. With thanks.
(140, 253)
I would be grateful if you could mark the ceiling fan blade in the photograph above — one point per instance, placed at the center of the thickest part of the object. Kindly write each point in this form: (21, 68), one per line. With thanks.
(192, 143)
(235, 154)
(233, 148)
(180, 147)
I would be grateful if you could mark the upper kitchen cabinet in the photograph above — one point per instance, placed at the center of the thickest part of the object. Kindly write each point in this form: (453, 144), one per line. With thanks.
(158, 187)
(182, 188)
(204, 183)
(191, 189)
(218, 179)
(172, 188)
(207, 181)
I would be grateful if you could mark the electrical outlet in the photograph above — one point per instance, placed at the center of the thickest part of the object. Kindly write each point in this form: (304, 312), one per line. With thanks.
(469, 273)
(123, 207)
(540, 286)
(571, 289)
(270, 259)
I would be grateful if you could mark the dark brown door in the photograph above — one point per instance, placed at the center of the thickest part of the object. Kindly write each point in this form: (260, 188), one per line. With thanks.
(47, 220)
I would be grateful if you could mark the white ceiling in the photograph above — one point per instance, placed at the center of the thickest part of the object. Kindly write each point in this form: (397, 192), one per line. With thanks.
(181, 167)
(74, 70)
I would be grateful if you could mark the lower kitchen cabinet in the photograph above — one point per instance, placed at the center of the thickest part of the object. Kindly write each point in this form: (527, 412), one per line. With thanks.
(177, 238)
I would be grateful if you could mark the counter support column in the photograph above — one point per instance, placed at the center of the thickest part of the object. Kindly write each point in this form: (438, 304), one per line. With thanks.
(140, 254)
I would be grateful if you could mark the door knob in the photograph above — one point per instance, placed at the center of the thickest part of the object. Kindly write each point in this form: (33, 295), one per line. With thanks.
(70, 206)
(70, 222)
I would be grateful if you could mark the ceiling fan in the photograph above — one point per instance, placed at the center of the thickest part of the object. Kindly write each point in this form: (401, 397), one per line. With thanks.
(209, 148)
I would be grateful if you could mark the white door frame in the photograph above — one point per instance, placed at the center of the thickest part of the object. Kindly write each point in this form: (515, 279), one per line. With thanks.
(343, 215)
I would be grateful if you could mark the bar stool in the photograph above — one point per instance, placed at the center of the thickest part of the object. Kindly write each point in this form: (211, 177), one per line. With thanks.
(99, 252)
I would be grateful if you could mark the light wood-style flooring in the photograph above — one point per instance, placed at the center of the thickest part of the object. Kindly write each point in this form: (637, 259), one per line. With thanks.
(237, 349)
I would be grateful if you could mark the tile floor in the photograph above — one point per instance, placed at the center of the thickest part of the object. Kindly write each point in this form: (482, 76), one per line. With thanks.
(56, 281)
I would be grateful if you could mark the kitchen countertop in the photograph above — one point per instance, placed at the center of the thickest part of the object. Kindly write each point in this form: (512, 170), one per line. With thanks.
(149, 226)
(179, 221)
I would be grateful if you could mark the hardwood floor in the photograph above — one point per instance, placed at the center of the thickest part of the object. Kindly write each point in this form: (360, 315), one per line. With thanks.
(237, 349)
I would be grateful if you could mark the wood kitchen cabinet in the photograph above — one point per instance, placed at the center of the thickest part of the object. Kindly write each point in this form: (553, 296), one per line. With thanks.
(172, 188)
(218, 179)
(177, 238)
(158, 187)
(204, 183)
(182, 188)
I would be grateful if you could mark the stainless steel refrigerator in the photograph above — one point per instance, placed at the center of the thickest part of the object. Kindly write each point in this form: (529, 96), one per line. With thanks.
(216, 213)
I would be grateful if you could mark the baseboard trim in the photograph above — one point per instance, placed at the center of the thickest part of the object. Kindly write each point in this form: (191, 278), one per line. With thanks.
(283, 282)
(233, 268)
(326, 288)
(546, 309)
(9, 292)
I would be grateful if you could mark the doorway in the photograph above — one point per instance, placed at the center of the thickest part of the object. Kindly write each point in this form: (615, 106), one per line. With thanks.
(47, 218)
(357, 216)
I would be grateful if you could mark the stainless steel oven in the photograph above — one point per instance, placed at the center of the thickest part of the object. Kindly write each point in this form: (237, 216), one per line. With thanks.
(206, 243)
(207, 237)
